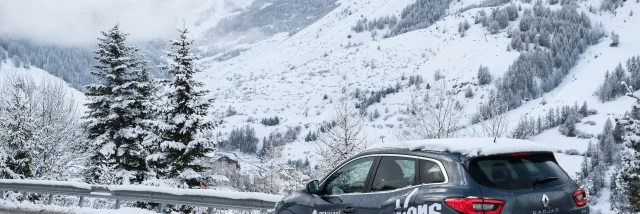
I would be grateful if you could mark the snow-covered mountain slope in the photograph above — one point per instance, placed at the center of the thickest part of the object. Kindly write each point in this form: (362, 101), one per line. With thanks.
(288, 76)
(38, 75)
(208, 13)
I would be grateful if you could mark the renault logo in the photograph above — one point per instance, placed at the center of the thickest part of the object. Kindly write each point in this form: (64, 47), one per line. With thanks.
(545, 200)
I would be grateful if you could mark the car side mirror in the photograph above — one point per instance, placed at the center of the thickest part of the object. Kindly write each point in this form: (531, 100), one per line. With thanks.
(313, 186)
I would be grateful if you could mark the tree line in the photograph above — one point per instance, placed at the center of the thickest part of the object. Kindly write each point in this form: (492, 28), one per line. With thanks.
(611, 89)
(617, 148)
(68, 63)
(137, 129)
(551, 43)
(565, 117)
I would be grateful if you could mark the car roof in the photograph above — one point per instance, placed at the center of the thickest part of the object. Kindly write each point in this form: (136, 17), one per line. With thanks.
(469, 147)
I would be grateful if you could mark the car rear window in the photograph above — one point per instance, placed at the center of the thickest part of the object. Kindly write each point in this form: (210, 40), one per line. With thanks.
(517, 172)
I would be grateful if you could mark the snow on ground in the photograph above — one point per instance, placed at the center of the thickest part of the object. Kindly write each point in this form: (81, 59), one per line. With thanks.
(601, 202)
(570, 163)
(30, 207)
(290, 77)
(558, 141)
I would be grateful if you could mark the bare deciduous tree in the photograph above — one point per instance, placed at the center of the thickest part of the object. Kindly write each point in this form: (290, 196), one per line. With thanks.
(436, 114)
(343, 139)
(492, 118)
(51, 120)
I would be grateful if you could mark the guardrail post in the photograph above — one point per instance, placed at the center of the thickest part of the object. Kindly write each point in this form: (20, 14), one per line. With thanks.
(24, 196)
(2, 195)
(160, 207)
(50, 199)
(117, 204)
(81, 201)
(210, 210)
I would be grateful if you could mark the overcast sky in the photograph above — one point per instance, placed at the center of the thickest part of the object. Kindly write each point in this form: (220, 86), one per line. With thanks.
(70, 22)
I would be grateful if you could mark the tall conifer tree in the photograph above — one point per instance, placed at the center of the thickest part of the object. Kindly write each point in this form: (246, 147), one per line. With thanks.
(116, 108)
(184, 123)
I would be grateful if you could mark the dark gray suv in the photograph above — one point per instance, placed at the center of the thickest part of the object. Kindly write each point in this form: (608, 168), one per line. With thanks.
(433, 177)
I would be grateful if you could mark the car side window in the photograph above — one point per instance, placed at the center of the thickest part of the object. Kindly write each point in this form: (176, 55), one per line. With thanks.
(394, 173)
(430, 172)
(350, 178)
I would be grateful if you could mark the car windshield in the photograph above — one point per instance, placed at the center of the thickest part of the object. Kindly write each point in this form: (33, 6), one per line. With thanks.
(517, 171)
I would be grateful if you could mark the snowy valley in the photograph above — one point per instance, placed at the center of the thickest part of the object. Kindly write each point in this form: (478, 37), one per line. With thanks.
(546, 71)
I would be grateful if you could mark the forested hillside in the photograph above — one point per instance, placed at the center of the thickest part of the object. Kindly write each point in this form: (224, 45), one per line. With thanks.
(72, 64)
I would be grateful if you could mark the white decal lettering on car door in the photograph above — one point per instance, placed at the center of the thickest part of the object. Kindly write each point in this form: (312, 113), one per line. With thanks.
(420, 209)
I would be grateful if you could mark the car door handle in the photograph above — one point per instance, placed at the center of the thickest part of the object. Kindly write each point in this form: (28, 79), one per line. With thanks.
(349, 210)
(400, 209)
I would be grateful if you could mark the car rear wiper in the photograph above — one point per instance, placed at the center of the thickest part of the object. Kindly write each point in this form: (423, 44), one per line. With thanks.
(544, 180)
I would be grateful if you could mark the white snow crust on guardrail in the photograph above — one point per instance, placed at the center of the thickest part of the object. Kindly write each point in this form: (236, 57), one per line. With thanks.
(199, 192)
(166, 190)
(45, 182)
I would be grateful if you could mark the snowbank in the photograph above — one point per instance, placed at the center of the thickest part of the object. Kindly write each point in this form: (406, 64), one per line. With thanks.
(45, 182)
(469, 146)
(199, 192)
(40, 208)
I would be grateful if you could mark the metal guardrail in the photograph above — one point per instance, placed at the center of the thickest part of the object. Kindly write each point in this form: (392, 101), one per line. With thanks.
(118, 194)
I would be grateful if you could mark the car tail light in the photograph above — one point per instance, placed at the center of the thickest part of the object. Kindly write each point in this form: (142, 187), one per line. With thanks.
(475, 205)
(520, 154)
(580, 197)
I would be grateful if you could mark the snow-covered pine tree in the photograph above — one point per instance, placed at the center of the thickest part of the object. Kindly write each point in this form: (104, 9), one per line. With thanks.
(114, 113)
(617, 198)
(628, 178)
(595, 159)
(597, 178)
(606, 142)
(183, 119)
(584, 166)
(569, 127)
(17, 125)
(143, 99)
(550, 119)
(615, 39)
(484, 76)
(618, 133)
(584, 110)
(590, 150)
(270, 174)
